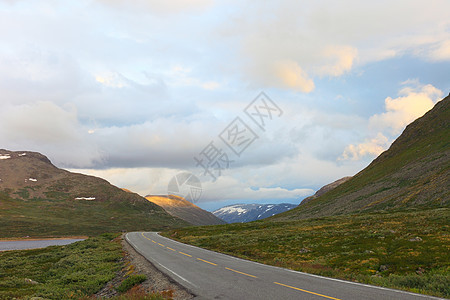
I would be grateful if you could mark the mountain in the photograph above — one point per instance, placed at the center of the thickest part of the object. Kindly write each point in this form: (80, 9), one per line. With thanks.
(39, 199)
(386, 226)
(185, 210)
(326, 188)
(412, 174)
(240, 213)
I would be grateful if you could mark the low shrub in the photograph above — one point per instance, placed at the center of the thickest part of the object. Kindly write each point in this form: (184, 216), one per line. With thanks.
(130, 282)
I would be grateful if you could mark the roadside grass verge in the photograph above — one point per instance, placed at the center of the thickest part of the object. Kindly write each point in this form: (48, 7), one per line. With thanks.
(60, 272)
(137, 294)
(130, 282)
(407, 250)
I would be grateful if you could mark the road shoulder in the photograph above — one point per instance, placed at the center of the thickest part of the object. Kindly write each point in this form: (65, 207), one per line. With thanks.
(157, 282)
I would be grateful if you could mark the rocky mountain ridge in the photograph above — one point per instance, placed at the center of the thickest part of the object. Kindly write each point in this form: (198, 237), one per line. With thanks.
(241, 213)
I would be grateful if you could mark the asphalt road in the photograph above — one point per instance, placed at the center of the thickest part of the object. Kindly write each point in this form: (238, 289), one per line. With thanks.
(211, 275)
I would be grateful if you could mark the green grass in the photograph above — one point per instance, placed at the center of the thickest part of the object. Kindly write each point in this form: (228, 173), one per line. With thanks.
(140, 295)
(61, 272)
(40, 217)
(130, 282)
(376, 248)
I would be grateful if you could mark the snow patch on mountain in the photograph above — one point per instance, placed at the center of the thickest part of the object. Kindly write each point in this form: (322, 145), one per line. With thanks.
(239, 213)
(230, 209)
(85, 198)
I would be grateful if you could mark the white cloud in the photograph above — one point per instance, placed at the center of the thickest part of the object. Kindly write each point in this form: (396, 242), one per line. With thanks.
(230, 188)
(372, 147)
(182, 76)
(414, 100)
(412, 103)
(137, 85)
(341, 60)
(328, 38)
(113, 80)
(154, 181)
(47, 128)
(143, 181)
(289, 74)
(441, 52)
(43, 121)
(159, 7)
(27, 75)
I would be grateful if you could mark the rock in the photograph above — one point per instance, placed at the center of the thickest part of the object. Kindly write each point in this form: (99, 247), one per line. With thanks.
(30, 281)
(369, 251)
(304, 250)
(416, 239)
(383, 268)
(420, 271)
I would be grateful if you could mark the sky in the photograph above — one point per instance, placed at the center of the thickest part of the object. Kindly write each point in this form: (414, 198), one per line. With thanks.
(261, 101)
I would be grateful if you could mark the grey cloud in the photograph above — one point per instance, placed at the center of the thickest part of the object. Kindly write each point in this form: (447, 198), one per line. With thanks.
(49, 129)
(289, 44)
(35, 74)
(98, 85)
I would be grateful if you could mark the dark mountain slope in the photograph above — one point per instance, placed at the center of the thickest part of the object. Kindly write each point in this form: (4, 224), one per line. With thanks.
(412, 174)
(38, 199)
(326, 188)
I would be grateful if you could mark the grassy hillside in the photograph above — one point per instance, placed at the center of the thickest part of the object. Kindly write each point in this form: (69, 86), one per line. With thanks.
(388, 225)
(403, 250)
(57, 202)
(64, 217)
(413, 173)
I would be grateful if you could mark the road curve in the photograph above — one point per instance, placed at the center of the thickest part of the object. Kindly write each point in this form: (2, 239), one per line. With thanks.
(212, 275)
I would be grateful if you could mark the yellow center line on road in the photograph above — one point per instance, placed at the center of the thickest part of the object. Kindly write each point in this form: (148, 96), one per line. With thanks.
(211, 263)
(184, 253)
(208, 262)
(241, 272)
(146, 237)
(309, 292)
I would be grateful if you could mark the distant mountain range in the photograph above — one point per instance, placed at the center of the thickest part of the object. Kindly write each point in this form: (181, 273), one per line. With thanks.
(240, 213)
(39, 199)
(185, 210)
